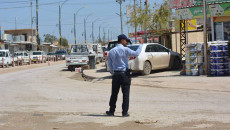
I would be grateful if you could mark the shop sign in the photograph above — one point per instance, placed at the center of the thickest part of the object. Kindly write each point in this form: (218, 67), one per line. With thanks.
(200, 2)
(179, 3)
(197, 12)
(191, 25)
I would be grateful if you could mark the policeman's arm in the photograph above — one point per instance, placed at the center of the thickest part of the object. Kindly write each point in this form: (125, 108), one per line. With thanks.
(110, 64)
(134, 53)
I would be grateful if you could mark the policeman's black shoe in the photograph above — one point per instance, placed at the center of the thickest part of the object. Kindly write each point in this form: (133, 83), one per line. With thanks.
(125, 115)
(109, 113)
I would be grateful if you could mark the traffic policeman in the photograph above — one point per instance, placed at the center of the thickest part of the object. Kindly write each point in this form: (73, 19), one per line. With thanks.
(118, 63)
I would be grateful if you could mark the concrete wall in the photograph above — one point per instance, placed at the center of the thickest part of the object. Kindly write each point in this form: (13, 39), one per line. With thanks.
(192, 37)
(28, 32)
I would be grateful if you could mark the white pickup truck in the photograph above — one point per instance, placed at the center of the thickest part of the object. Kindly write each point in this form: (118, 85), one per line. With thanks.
(22, 55)
(78, 57)
(5, 54)
(38, 56)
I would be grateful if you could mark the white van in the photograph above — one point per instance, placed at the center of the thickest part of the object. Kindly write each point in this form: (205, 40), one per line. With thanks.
(5, 54)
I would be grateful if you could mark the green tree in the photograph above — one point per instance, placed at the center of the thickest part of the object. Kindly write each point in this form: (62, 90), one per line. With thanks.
(143, 17)
(64, 42)
(49, 38)
(161, 18)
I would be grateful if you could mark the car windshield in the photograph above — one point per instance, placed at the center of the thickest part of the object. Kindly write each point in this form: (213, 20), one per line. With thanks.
(94, 47)
(79, 49)
(60, 52)
(104, 48)
(18, 54)
(134, 48)
(114, 44)
(50, 53)
(2, 54)
(37, 53)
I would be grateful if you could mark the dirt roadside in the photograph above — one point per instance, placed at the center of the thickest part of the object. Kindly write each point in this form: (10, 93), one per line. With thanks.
(25, 67)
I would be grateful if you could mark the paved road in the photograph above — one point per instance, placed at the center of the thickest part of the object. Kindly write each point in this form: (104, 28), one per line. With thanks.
(51, 97)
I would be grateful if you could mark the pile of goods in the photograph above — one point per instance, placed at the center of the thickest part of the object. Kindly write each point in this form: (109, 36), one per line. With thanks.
(219, 64)
(194, 56)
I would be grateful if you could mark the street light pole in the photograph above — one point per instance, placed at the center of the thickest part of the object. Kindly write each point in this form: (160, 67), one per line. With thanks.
(120, 2)
(60, 6)
(85, 24)
(75, 39)
(93, 29)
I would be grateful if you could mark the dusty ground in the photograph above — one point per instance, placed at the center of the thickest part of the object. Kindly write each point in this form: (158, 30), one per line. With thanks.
(50, 97)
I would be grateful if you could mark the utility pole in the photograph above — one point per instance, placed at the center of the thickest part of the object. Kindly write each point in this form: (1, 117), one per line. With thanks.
(99, 33)
(60, 23)
(85, 29)
(120, 2)
(108, 35)
(104, 35)
(135, 13)
(15, 23)
(92, 33)
(75, 39)
(38, 40)
(0, 37)
(205, 37)
(31, 4)
(146, 12)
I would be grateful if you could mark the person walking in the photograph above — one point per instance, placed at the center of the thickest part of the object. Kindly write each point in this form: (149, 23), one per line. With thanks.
(118, 63)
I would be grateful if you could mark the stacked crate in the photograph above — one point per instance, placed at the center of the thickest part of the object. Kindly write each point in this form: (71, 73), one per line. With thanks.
(219, 65)
(194, 56)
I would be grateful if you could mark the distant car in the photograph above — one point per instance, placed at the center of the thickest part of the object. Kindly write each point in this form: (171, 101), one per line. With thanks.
(154, 56)
(78, 57)
(61, 54)
(19, 55)
(5, 54)
(111, 45)
(38, 56)
(51, 55)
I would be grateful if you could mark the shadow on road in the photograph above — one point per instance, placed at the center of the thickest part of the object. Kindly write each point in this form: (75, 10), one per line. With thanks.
(99, 115)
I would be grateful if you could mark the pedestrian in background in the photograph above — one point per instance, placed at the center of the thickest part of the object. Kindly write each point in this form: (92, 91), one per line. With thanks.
(118, 63)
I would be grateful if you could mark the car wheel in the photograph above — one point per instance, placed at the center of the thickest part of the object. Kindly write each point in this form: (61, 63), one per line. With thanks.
(147, 68)
(176, 64)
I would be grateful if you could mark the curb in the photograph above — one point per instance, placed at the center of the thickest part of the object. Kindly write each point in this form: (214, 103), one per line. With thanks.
(87, 76)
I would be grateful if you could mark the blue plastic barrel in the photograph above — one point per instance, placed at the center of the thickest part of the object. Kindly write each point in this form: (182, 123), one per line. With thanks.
(212, 60)
(213, 66)
(220, 72)
(213, 73)
(220, 60)
(220, 66)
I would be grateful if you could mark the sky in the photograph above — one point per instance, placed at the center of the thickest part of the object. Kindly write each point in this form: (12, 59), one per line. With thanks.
(106, 11)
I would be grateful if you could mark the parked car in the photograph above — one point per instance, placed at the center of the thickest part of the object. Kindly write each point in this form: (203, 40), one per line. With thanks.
(5, 54)
(97, 51)
(61, 54)
(51, 55)
(19, 55)
(78, 56)
(111, 45)
(104, 49)
(37, 56)
(154, 56)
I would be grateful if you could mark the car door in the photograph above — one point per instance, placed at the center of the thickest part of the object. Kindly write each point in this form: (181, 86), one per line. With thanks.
(153, 56)
(165, 56)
